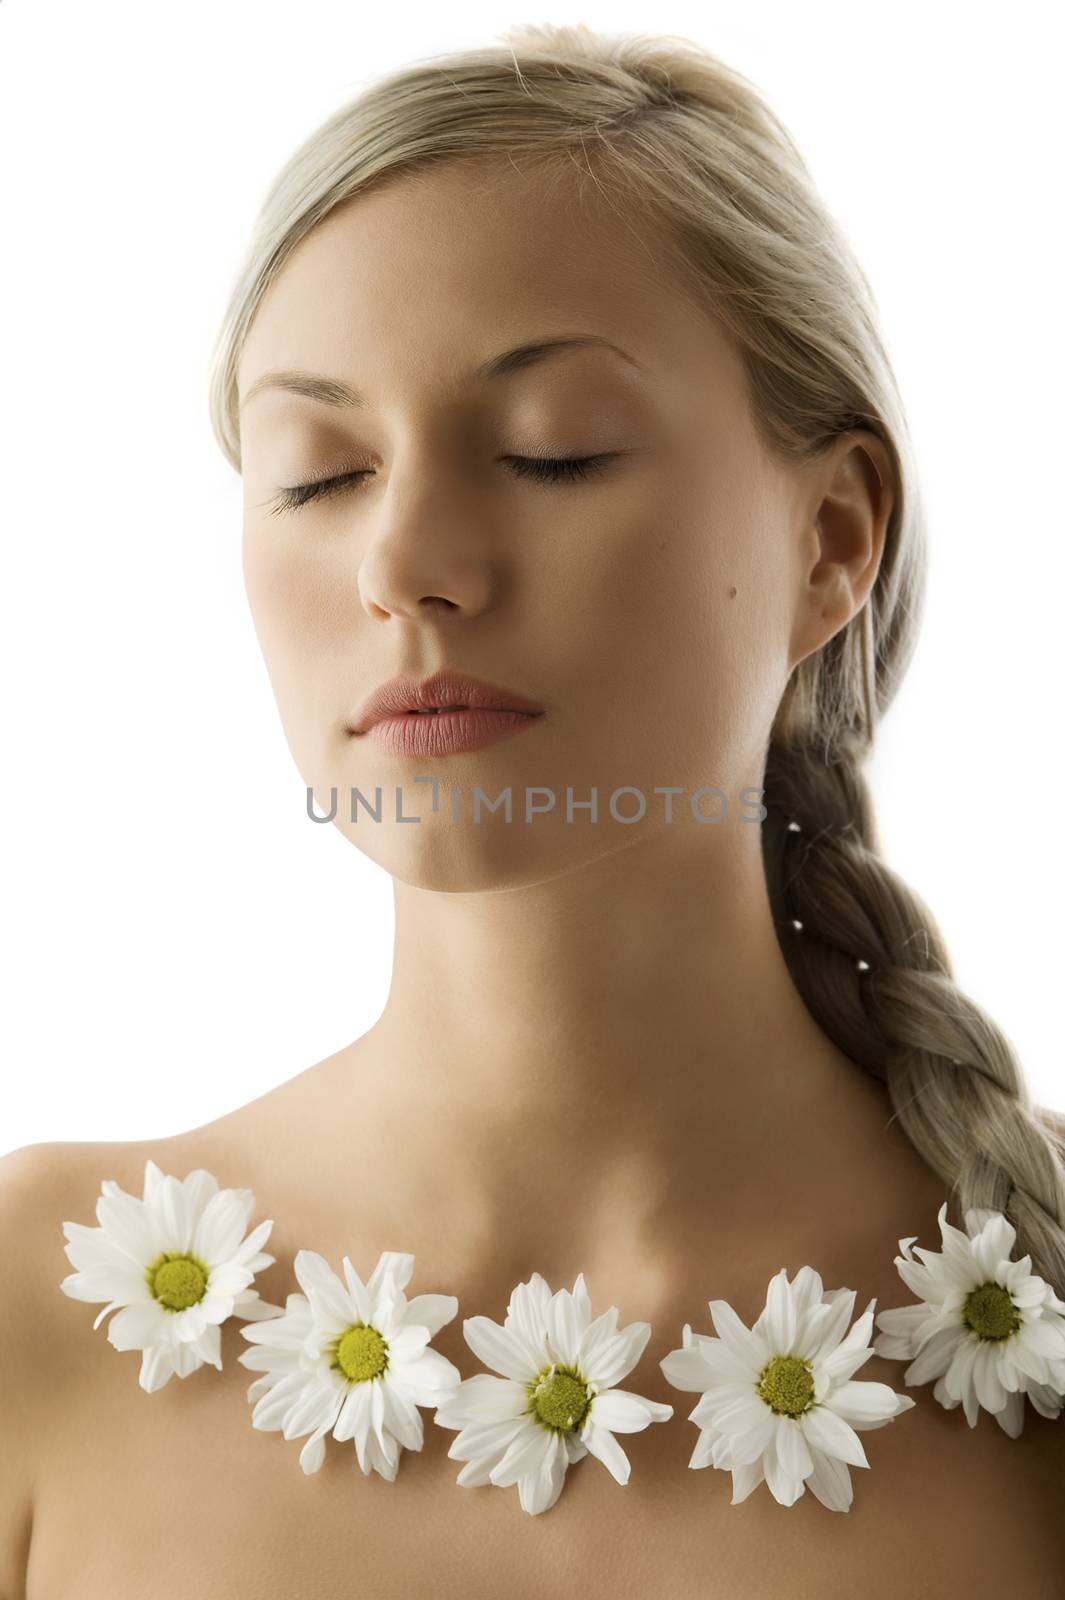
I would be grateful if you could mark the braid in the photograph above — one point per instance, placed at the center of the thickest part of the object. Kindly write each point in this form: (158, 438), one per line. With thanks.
(872, 967)
(678, 138)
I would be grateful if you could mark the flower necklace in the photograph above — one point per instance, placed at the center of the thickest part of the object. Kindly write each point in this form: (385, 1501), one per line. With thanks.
(777, 1401)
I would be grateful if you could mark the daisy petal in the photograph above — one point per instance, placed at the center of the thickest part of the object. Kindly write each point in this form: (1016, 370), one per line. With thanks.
(401, 1415)
(210, 1346)
(271, 1410)
(782, 1485)
(361, 1298)
(830, 1481)
(248, 1255)
(287, 1332)
(524, 1454)
(864, 1405)
(229, 1279)
(935, 1356)
(1010, 1417)
(623, 1412)
(122, 1282)
(432, 1311)
(989, 1390)
(830, 1331)
(248, 1305)
(128, 1223)
(483, 1398)
(596, 1338)
(188, 1324)
(497, 1348)
(408, 1342)
(617, 1359)
(830, 1433)
(313, 1453)
(87, 1248)
(602, 1444)
(1046, 1399)
(538, 1491)
(173, 1213)
(317, 1402)
(136, 1326)
(1045, 1338)
(354, 1413)
(792, 1450)
(526, 1322)
(157, 1367)
(745, 1479)
(429, 1378)
(993, 1244)
(747, 1345)
(780, 1315)
(900, 1327)
(394, 1264)
(687, 1368)
(756, 1435)
(199, 1186)
(486, 1441)
(563, 1329)
(153, 1177)
(222, 1225)
(327, 1296)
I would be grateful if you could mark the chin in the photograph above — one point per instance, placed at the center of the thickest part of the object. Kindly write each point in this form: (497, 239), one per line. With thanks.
(474, 858)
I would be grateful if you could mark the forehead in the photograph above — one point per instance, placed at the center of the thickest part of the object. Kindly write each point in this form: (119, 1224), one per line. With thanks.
(425, 278)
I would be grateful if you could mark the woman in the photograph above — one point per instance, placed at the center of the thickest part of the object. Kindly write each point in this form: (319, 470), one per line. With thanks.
(558, 397)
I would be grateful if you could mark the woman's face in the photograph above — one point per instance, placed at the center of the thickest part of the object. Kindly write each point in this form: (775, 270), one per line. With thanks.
(652, 609)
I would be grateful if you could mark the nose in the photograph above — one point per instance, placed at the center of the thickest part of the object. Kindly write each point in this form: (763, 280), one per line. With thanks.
(393, 593)
(416, 580)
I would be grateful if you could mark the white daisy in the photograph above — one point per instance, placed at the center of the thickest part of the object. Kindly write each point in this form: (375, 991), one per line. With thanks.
(178, 1264)
(778, 1401)
(987, 1328)
(555, 1401)
(354, 1360)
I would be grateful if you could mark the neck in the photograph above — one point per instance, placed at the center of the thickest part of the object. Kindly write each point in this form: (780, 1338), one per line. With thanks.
(601, 1056)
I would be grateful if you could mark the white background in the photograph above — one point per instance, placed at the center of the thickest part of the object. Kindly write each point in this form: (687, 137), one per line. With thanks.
(179, 938)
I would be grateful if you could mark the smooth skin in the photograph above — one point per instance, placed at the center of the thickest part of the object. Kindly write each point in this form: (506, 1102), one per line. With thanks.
(592, 1057)
(573, 1000)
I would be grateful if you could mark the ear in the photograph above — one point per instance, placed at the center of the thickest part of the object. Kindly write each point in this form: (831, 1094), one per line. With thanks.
(850, 503)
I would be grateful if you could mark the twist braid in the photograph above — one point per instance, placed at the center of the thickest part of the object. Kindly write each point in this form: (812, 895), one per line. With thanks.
(872, 966)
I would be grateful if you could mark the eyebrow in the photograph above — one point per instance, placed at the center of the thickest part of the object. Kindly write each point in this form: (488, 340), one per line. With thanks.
(334, 392)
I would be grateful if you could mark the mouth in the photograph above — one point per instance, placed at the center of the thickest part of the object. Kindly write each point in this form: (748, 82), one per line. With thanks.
(403, 698)
(436, 711)
(456, 729)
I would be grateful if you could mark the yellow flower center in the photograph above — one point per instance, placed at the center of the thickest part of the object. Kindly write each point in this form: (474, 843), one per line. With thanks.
(989, 1311)
(786, 1384)
(559, 1397)
(177, 1281)
(360, 1353)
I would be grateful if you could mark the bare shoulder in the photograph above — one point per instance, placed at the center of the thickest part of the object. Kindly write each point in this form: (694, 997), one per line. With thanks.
(22, 1176)
(1024, 1478)
(41, 1187)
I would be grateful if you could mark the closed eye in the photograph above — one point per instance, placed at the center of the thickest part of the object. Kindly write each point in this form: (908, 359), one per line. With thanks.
(544, 468)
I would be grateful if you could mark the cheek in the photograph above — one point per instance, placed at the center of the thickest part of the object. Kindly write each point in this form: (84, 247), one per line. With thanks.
(683, 630)
(304, 628)
(297, 605)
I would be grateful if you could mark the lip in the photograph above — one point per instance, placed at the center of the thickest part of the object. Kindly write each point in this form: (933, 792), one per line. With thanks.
(390, 714)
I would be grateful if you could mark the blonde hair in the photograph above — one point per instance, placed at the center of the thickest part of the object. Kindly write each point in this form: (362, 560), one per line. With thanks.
(670, 133)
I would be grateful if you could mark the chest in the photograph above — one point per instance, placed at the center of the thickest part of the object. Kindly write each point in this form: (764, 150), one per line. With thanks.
(175, 1493)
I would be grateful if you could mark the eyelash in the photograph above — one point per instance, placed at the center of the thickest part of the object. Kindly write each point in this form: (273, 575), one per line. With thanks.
(544, 469)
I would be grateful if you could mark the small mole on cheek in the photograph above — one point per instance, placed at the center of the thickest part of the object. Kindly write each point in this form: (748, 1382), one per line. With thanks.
(732, 592)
